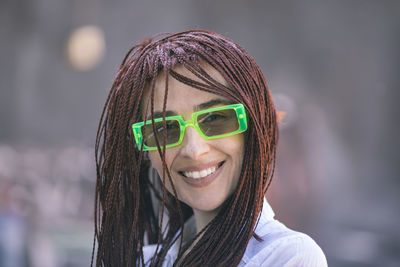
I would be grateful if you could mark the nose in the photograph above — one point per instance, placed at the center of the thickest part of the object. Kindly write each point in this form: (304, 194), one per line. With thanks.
(193, 145)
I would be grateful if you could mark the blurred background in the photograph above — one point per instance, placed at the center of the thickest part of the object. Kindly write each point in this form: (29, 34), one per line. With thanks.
(333, 67)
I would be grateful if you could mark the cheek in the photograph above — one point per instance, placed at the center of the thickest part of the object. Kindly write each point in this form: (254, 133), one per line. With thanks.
(234, 147)
(238, 161)
(157, 164)
(237, 152)
(155, 160)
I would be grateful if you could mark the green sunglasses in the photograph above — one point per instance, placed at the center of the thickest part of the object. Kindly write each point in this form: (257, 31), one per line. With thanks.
(212, 123)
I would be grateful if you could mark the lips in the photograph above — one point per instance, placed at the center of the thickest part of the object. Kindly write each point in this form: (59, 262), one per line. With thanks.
(200, 176)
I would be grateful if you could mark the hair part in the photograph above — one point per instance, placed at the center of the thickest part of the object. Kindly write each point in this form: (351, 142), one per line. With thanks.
(125, 217)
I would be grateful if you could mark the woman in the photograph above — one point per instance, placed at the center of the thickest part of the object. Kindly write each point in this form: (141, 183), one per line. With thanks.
(185, 153)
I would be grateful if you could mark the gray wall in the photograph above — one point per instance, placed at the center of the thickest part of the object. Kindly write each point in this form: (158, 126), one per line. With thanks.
(333, 66)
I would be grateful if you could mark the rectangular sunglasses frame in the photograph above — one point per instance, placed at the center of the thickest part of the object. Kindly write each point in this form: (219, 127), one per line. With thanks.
(238, 108)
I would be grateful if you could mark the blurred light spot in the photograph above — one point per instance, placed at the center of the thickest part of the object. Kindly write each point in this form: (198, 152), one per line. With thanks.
(85, 47)
(286, 110)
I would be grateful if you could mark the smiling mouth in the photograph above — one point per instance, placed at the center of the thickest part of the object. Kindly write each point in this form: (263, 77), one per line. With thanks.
(203, 173)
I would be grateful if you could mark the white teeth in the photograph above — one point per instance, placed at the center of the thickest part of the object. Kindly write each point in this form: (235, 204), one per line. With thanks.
(203, 173)
(200, 174)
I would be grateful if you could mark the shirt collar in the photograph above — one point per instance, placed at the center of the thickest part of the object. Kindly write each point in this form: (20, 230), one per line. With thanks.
(266, 215)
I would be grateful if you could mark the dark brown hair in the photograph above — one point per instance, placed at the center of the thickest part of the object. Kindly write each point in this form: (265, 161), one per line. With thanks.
(125, 216)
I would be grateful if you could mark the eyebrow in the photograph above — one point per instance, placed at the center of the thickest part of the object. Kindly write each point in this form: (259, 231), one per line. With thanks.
(205, 105)
(213, 103)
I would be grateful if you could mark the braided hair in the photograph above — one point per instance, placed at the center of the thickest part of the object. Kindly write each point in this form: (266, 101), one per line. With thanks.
(125, 216)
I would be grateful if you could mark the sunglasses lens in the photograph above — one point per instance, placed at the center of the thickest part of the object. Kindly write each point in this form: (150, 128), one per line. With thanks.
(218, 122)
(172, 131)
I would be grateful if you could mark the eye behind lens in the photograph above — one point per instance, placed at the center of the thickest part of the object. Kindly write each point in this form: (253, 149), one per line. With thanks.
(172, 128)
(218, 122)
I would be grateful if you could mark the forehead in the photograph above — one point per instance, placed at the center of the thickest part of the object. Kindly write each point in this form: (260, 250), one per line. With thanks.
(182, 98)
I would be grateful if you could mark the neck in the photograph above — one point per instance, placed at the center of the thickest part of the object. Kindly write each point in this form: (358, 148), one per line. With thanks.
(204, 217)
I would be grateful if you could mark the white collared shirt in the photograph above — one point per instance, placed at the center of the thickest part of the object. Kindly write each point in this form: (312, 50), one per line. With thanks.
(280, 246)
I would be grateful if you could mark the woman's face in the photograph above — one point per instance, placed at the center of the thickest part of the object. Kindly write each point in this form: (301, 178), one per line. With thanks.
(204, 172)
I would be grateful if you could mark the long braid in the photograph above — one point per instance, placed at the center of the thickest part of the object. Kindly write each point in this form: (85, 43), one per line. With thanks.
(124, 213)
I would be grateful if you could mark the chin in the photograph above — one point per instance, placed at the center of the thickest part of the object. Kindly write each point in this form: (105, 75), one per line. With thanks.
(205, 203)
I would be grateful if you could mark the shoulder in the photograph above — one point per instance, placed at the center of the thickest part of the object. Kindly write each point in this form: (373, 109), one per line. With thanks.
(283, 247)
